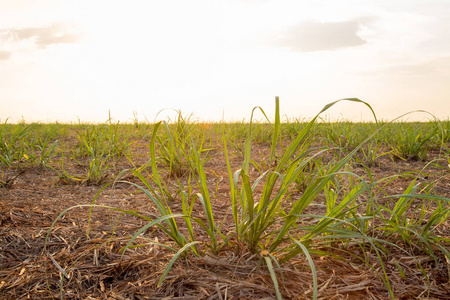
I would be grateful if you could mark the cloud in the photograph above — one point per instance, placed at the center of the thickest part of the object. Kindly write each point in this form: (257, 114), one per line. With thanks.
(317, 36)
(5, 55)
(56, 33)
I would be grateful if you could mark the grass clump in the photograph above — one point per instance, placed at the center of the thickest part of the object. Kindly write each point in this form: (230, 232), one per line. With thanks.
(14, 145)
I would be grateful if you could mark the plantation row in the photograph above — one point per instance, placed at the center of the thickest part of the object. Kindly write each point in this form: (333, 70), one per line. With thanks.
(47, 144)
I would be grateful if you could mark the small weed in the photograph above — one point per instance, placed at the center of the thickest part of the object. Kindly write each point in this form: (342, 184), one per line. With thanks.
(410, 141)
(47, 151)
(13, 143)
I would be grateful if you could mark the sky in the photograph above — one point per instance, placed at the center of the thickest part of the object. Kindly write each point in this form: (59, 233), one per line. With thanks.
(86, 60)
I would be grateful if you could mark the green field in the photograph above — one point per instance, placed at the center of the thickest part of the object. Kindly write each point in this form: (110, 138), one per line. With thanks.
(288, 209)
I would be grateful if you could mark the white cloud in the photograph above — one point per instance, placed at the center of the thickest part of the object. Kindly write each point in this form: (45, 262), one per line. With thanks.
(317, 36)
(56, 33)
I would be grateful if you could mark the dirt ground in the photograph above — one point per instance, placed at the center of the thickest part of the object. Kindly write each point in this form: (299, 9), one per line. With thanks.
(95, 269)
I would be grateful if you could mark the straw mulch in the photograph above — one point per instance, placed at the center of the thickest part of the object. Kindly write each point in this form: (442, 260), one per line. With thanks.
(76, 266)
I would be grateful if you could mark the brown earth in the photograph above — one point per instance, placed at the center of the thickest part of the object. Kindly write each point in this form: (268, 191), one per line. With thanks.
(96, 270)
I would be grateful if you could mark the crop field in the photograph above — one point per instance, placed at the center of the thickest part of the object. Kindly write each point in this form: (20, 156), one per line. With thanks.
(183, 209)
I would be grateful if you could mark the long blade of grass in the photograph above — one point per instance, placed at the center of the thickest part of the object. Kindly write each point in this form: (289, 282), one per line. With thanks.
(276, 129)
(204, 195)
(144, 228)
(90, 209)
(248, 144)
(172, 261)
(273, 276)
(130, 212)
(233, 191)
(312, 266)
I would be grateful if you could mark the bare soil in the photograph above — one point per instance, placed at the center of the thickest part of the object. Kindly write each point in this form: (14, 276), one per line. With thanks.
(95, 269)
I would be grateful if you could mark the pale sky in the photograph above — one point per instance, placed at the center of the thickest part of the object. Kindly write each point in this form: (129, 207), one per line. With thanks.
(64, 60)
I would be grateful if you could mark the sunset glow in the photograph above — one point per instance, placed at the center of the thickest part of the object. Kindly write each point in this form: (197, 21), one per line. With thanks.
(64, 60)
